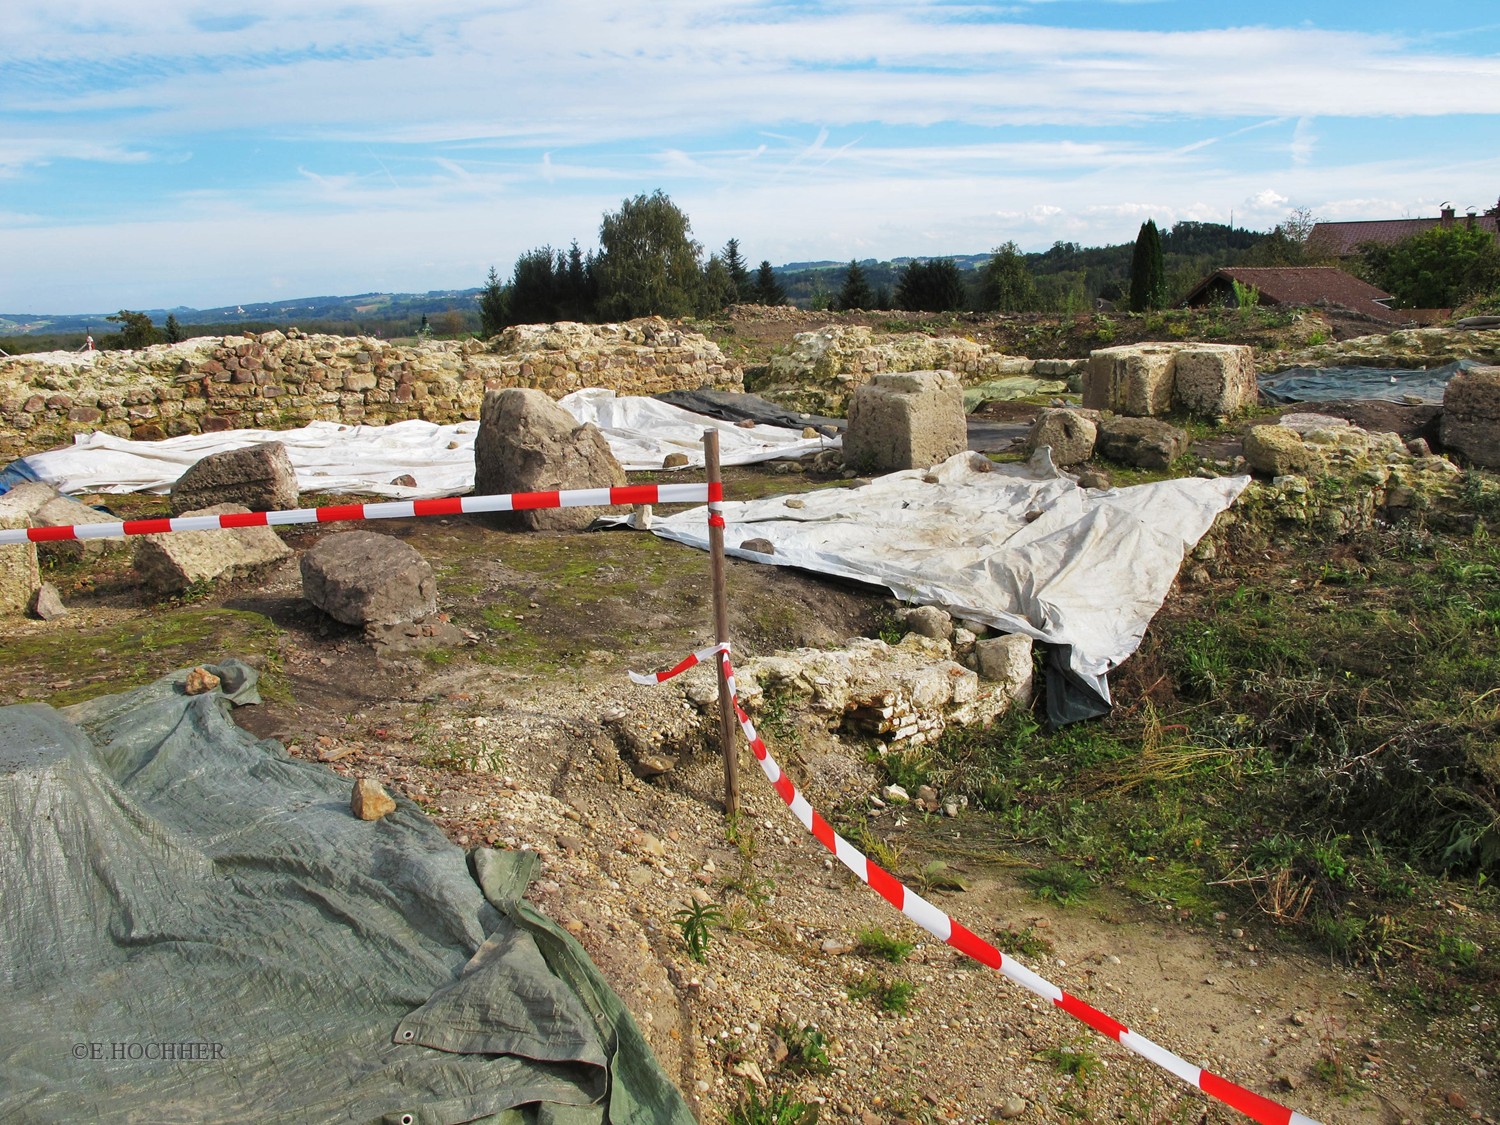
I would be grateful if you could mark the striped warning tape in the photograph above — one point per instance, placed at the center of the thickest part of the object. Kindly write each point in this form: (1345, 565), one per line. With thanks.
(692, 659)
(389, 510)
(946, 929)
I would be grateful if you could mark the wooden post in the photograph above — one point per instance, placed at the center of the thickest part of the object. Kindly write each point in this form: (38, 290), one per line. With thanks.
(728, 744)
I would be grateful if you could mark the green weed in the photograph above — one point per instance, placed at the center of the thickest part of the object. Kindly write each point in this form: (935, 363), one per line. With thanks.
(893, 996)
(876, 943)
(1076, 1061)
(778, 1109)
(807, 1049)
(694, 921)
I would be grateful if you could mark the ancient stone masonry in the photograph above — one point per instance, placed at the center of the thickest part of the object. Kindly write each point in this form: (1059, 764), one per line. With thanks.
(1409, 348)
(281, 380)
(825, 366)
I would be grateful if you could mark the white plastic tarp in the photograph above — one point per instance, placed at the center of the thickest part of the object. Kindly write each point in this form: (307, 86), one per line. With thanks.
(364, 460)
(1021, 548)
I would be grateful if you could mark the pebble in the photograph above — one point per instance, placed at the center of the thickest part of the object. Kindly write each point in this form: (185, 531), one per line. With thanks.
(1011, 1107)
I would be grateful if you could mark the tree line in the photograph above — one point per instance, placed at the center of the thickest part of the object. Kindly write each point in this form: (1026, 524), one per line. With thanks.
(648, 263)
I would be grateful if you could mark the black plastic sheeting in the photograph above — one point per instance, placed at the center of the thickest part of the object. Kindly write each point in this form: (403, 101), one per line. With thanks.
(730, 406)
(1313, 384)
(196, 928)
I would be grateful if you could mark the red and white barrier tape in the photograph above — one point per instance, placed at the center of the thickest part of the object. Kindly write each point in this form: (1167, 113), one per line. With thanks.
(946, 929)
(689, 661)
(389, 510)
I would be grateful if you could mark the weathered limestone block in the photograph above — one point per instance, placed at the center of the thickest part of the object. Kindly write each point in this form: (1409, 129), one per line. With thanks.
(905, 421)
(20, 579)
(1215, 380)
(1276, 451)
(365, 578)
(49, 508)
(259, 476)
(176, 560)
(1471, 416)
(1133, 379)
(527, 443)
(1070, 434)
(1007, 660)
(1147, 443)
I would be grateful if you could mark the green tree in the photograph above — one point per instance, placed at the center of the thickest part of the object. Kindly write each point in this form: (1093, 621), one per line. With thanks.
(578, 293)
(1437, 269)
(648, 261)
(744, 288)
(768, 290)
(492, 319)
(173, 329)
(855, 292)
(1148, 270)
(535, 293)
(138, 331)
(1006, 284)
(717, 291)
(931, 286)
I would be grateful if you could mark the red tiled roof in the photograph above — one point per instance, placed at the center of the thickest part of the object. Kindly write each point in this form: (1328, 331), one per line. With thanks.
(1304, 285)
(1344, 239)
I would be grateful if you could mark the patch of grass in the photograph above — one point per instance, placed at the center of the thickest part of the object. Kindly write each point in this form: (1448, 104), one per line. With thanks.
(876, 943)
(937, 876)
(1025, 943)
(807, 1049)
(1062, 883)
(1076, 1061)
(778, 1109)
(889, 996)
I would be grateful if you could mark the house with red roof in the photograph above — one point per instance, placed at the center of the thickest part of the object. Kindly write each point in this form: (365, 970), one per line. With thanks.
(1297, 285)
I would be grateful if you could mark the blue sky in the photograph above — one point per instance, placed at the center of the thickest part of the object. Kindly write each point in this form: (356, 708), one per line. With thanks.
(163, 152)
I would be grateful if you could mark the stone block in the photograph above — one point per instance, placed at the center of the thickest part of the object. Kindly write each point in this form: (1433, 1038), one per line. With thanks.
(365, 578)
(259, 476)
(20, 578)
(1134, 379)
(528, 443)
(1471, 416)
(1276, 451)
(1215, 380)
(49, 508)
(1147, 443)
(1069, 434)
(175, 560)
(905, 420)
(1007, 660)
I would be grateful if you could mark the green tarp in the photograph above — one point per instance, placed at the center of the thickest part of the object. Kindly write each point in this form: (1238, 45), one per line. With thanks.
(194, 928)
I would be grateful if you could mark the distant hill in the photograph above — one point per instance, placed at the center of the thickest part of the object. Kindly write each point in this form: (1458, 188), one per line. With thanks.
(1069, 277)
(390, 313)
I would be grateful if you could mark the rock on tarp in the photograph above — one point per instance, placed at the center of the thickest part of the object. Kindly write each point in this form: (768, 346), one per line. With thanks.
(1086, 573)
(169, 880)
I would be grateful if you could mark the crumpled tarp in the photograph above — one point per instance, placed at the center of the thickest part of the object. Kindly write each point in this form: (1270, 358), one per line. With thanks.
(1089, 570)
(737, 406)
(166, 879)
(1327, 384)
(365, 460)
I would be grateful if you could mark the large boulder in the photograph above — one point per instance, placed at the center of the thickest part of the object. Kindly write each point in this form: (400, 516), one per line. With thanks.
(19, 576)
(906, 420)
(50, 508)
(1146, 443)
(1135, 379)
(1215, 380)
(1069, 433)
(364, 578)
(260, 477)
(528, 443)
(1276, 451)
(175, 560)
(1471, 415)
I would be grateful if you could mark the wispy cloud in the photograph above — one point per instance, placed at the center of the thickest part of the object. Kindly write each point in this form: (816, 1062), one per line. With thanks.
(810, 129)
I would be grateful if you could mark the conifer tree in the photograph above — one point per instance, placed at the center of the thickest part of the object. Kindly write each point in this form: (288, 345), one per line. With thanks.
(492, 306)
(1148, 270)
(768, 290)
(173, 329)
(856, 292)
(744, 289)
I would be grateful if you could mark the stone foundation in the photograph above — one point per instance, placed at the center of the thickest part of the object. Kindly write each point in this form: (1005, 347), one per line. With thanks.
(282, 380)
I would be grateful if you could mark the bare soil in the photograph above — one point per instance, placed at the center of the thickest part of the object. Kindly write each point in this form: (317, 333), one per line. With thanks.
(529, 734)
